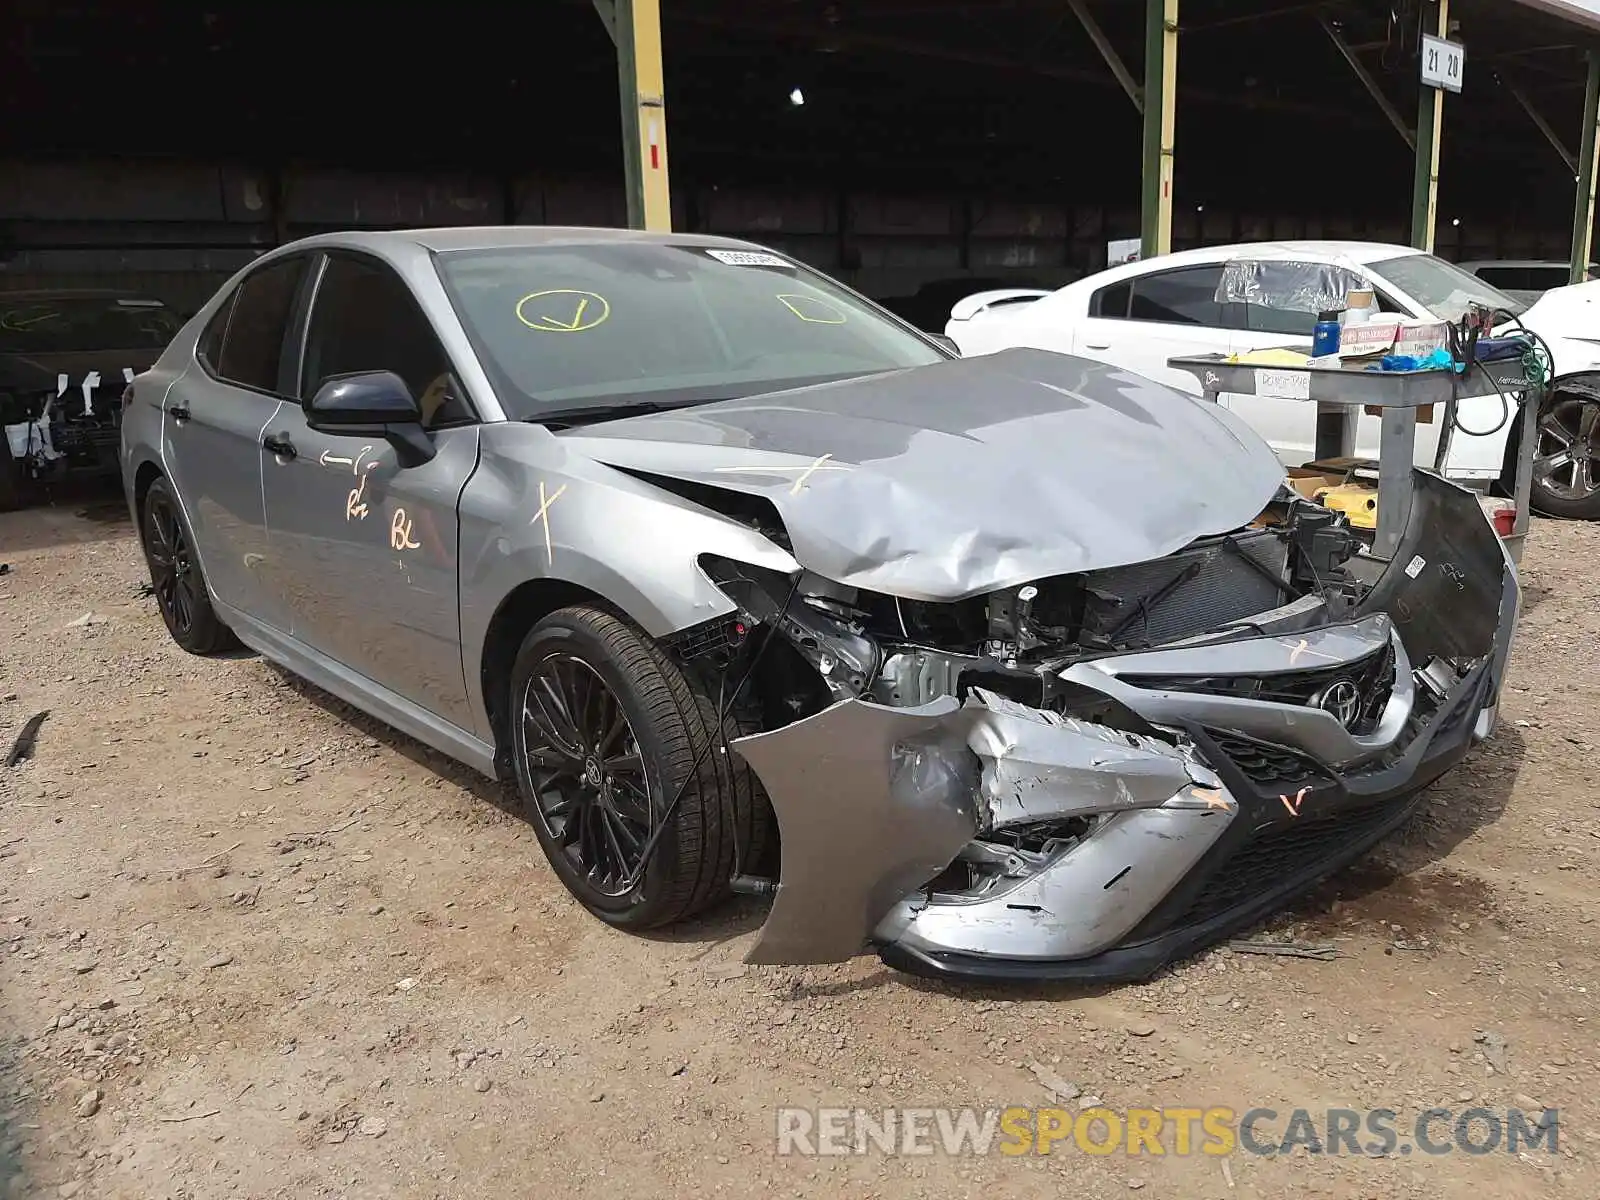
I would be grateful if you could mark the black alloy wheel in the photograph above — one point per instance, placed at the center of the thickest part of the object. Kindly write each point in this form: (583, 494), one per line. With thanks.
(604, 729)
(592, 791)
(175, 576)
(171, 567)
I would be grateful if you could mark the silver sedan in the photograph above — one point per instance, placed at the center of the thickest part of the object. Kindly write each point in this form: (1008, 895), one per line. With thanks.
(1019, 666)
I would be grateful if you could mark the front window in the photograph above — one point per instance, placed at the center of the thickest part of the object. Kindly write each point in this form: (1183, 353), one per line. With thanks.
(560, 328)
(64, 324)
(1444, 289)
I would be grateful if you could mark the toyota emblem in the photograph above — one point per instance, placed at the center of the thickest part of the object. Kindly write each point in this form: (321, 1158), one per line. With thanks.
(1341, 700)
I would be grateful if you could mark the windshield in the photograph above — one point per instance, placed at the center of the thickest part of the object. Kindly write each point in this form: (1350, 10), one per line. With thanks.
(574, 327)
(62, 324)
(1443, 288)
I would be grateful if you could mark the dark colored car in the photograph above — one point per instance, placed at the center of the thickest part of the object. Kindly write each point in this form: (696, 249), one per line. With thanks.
(65, 358)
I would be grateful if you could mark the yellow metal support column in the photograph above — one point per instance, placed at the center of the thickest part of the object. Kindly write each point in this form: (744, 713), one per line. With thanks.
(635, 27)
(1160, 124)
(1425, 181)
(1583, 214)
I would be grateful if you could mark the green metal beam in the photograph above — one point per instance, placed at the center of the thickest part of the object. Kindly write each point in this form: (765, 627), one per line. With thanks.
(1430, 119)
(1160, 96)
(635, 27)
(1583, 214)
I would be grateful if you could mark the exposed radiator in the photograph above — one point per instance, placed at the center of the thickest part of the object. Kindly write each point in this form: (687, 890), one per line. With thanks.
(1225, 589)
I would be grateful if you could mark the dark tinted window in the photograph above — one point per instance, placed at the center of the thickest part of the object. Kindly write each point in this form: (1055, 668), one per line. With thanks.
(1182, 297)
(365, 318)
(1517, 278)
(253, 345)
(1111, 301)
(209, 349)
(1261, 319)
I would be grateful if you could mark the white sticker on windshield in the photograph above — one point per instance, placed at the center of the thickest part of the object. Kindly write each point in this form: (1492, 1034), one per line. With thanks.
(747, 258)
(1414, 567)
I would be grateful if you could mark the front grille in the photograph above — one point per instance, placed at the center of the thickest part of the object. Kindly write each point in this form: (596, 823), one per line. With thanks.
(1272, 768)
(1290, 852)
(1373, 676)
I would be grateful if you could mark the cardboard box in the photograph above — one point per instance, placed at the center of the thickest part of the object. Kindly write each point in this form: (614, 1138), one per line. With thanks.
(1368, 339)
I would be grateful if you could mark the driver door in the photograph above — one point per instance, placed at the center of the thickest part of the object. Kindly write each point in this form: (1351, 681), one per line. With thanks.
(368, 544)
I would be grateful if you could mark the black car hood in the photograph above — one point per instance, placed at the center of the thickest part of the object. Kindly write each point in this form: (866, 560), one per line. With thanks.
(950, 480)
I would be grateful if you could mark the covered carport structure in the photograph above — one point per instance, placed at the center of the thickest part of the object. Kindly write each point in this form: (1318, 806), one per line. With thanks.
(1539, 55)
(913, 148)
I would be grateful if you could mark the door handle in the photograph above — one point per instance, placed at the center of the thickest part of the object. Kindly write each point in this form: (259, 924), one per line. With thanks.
(1097, 346)
(178, 413)
(279, 444)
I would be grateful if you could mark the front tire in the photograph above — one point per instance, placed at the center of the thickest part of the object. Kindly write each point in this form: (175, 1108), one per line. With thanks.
(604, 729)
(175, 575)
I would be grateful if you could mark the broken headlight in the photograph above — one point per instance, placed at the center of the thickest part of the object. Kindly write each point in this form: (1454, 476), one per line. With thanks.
(817, 617)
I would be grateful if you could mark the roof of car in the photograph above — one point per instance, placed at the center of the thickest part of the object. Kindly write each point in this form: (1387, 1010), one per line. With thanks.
(1359, 252)
(1553, 263)
(494, 237)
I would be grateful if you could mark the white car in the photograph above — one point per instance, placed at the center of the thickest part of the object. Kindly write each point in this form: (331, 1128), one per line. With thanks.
(1525, 279)
(1140, 314)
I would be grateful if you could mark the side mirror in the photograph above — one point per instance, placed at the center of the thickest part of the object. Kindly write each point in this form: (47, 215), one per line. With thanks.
(370, 398)
(372, 404)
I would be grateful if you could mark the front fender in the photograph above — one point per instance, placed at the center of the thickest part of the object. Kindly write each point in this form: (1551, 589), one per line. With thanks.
(534, 510)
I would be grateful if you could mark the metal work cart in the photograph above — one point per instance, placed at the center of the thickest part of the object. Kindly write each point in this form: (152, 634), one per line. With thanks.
(1340, 393)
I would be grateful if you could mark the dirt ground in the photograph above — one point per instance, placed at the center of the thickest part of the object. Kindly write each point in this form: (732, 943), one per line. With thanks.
(253, 944)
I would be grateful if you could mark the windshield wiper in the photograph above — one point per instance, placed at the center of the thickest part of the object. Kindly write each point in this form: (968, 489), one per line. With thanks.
(594, 414)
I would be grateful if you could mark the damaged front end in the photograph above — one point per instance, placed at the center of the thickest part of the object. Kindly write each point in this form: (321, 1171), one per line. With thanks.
(1091, 775)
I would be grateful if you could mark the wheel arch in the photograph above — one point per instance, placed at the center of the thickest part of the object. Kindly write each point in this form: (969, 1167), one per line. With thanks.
(148, 472)
(519, 611)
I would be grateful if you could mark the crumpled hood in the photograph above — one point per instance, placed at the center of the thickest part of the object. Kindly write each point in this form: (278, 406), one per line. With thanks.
(947, 481)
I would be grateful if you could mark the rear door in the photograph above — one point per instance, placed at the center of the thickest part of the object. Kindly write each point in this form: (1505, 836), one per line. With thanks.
(1140, 323)
(369, 542)
(211, 434)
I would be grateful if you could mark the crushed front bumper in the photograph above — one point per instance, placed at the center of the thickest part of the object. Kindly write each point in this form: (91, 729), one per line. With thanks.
(1239, 806)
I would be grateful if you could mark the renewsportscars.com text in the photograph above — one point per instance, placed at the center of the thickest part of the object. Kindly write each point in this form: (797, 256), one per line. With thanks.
(1174, 1131)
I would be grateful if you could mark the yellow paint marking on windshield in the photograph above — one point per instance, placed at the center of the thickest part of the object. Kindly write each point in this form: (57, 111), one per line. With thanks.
(19, 320)
(563, 310)
(812, 309)
(542, 517)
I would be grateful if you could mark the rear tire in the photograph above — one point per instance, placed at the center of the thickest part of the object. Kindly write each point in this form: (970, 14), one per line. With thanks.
(180, 586)
(604, 729)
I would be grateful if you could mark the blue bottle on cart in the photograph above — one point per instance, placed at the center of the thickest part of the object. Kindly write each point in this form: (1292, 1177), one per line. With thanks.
(1325, 337)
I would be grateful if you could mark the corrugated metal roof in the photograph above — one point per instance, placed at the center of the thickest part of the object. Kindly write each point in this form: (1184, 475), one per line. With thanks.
(1580, 12)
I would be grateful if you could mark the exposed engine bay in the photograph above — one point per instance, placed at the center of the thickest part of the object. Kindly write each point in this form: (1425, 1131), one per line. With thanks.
(1026, 781)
